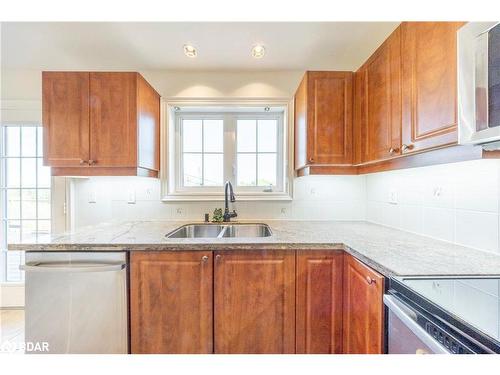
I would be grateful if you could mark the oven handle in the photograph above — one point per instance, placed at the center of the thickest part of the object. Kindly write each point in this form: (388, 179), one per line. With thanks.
(72, 267)
(399, 310)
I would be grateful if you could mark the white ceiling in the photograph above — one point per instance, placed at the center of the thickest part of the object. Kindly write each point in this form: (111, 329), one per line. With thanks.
(158, 46)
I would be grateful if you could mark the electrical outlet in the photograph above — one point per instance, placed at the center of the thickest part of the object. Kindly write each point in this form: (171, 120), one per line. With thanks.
(92, 197)
(393, 197)
(131, 197)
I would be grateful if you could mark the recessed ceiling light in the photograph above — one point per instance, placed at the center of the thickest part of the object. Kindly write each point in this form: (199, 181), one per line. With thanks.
(189, 50)
(258, 51)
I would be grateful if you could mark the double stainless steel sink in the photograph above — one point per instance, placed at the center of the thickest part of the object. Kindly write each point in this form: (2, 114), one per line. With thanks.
(221, 231)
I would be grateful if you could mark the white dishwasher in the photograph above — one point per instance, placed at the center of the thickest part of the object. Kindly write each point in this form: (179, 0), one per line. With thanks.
(76, 302)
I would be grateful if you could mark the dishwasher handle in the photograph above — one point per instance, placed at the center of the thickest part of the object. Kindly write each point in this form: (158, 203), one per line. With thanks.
(408, 317)
(72, 267)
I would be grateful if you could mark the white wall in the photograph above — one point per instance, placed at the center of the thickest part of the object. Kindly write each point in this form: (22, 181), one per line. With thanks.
(457, 202)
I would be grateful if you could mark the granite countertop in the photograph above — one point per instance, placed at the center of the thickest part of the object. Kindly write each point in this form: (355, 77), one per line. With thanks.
(389, 251)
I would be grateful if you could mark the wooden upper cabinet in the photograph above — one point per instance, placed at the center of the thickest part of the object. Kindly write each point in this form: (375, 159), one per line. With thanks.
(109, 120)
(363, 313)
(429, 85)
(319, 302)
(171, 302)
(254, 302)
(378, 103)
(113, 119)
(323, 119)
(65, 107)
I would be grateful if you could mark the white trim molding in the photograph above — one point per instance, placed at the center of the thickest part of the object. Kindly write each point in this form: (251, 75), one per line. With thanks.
(169, 145)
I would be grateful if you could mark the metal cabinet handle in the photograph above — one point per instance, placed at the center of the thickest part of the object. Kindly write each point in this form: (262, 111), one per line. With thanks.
(311, 160)
(407, 147)
(75, 267)
(204, 258)
(218, 257)
(83, 161)
(369, 280)
(92, 162)
(392, 150)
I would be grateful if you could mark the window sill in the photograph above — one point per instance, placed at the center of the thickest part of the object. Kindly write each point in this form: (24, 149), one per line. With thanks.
(180, 197)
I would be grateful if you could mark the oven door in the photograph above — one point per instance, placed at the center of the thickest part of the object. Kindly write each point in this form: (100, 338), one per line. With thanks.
(405, 335)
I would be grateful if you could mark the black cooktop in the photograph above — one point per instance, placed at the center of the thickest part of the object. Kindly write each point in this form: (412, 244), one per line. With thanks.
(470, 305)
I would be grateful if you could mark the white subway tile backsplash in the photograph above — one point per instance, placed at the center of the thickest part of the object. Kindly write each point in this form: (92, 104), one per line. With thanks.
(454, 202)
(439, 223)
(477, 229)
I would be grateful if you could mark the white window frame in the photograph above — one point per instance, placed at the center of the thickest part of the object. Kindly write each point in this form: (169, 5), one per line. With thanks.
(171, 171)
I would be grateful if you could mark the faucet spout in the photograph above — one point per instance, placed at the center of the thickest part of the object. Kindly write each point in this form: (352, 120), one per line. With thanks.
(228, 196)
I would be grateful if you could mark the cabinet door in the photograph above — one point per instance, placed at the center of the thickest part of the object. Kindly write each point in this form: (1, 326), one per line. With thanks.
(65, 120)
(254, 304)
(113, 119)
(329, 117)
(171, 302)
(319, 302)
(381, 118)
(363, 309)
(429, 63)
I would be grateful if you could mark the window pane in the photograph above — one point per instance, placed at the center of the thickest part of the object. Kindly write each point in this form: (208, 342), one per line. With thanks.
(12, 141)
(246, 135)
(28, 230)
(13, 173)
(214, 170)
(43, 175)
(192, 169)
(28, 134)
(39, 150)
(191, 135)
(13, 231)
(28, 204)
(13, 204)
(267, 135)
(246, 170)
(267, 169)
(43, 203)
(28, 178)
(213, 135)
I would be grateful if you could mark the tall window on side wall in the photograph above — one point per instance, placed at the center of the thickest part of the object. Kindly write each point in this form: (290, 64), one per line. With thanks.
(246, 146)
(24, 194)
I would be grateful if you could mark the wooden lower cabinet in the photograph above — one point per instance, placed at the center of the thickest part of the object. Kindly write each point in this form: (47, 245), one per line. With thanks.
(363, 316)
(254, 302)
(259, 301)
(319, 302)
(171, 302)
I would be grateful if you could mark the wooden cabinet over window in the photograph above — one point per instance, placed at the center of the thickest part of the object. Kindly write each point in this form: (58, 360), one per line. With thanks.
(429, 84)
(100, 123)
(323, 120)
(363, 313)
(171, 302)
(319, 302)
(254, 302)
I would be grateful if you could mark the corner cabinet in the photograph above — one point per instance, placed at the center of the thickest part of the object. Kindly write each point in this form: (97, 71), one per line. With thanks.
(363, 315)
(319, 302)
(100, 123)
(378, 102)
(323, 121)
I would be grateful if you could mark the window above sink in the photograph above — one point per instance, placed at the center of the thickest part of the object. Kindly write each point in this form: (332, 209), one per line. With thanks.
(244, 142)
